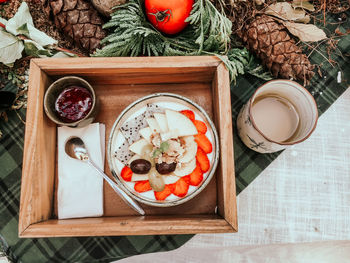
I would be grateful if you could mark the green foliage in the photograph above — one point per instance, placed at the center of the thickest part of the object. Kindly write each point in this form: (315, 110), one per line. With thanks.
(208, 33)
(240, 61)
(255, 68)
(236, 60)
(211, 28)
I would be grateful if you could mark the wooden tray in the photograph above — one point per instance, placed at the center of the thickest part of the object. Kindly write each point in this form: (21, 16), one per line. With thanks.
(118, 82)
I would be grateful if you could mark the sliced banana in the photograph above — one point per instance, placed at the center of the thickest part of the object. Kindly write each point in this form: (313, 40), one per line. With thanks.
(190, 149)
(185, 168)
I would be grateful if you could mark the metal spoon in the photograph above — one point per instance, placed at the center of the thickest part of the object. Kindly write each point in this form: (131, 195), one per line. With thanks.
(76, 149)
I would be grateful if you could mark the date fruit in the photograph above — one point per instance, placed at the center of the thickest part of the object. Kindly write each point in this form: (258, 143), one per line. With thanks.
(140, 166)
(165, 168)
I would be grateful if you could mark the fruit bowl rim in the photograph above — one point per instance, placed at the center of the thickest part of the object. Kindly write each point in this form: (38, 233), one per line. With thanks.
(165, 203)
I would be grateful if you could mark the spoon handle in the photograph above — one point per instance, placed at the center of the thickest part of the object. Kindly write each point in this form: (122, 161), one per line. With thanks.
(119, 191)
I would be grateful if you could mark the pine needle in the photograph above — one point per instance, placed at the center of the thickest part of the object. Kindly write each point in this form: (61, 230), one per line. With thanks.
(208, 32)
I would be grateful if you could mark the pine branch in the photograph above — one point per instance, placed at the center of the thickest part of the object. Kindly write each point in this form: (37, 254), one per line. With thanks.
(208, 32)
(255, 68)
(236, 61)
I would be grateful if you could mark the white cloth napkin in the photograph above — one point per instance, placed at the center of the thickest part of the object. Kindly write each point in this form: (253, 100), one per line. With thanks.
(80, 187)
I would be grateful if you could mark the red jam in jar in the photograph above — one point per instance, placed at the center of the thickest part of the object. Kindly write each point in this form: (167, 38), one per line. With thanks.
(73, 103)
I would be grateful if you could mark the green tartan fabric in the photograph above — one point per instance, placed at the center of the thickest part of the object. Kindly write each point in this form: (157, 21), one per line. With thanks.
(249, 165)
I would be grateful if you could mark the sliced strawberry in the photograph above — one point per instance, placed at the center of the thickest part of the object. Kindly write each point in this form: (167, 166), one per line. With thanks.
(196, 177)
(189, 114)
(181, 188)
(201, 127)
(142, 186)
(203, 160)
(126, 173)
(165, 193)
(203, 143)
(187, 179)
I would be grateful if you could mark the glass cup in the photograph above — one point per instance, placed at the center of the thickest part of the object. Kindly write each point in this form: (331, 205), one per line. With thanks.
(280, 113)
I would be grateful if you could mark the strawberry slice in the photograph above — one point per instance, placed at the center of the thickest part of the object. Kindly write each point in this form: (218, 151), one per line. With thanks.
(187, 178)
(196, 177)
(201, 127)
(203, 160)
(181, 187)
(165, 193)
(189, 114)
(126, 173)
(203, 142)
(142, 186)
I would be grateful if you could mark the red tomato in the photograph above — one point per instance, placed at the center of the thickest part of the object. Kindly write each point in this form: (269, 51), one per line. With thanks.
(3, 1)
(168, 16)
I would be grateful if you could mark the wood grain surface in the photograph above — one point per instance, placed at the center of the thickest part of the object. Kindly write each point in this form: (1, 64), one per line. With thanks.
(118, 82)
(227, 206)
(138, 70)
(132, 225)
(38, 155)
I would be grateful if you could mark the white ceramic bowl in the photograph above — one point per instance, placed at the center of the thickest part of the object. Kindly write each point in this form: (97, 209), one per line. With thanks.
(170, 101)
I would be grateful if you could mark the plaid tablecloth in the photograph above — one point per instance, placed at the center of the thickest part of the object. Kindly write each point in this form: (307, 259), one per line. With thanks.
(105, 249)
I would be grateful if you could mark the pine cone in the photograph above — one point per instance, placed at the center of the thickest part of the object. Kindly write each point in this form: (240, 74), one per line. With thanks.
(77, 19)
(277, 50)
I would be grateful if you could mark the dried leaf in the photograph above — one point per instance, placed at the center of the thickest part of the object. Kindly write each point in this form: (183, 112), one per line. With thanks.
(10, 48)
(35, 50)
(258, 2)
(285, 11)
(22, 23)
(306, 33)
(21, 17)
(338, 32)
(3, 21)
(39, 37)
(304, 4)
(304, 20)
